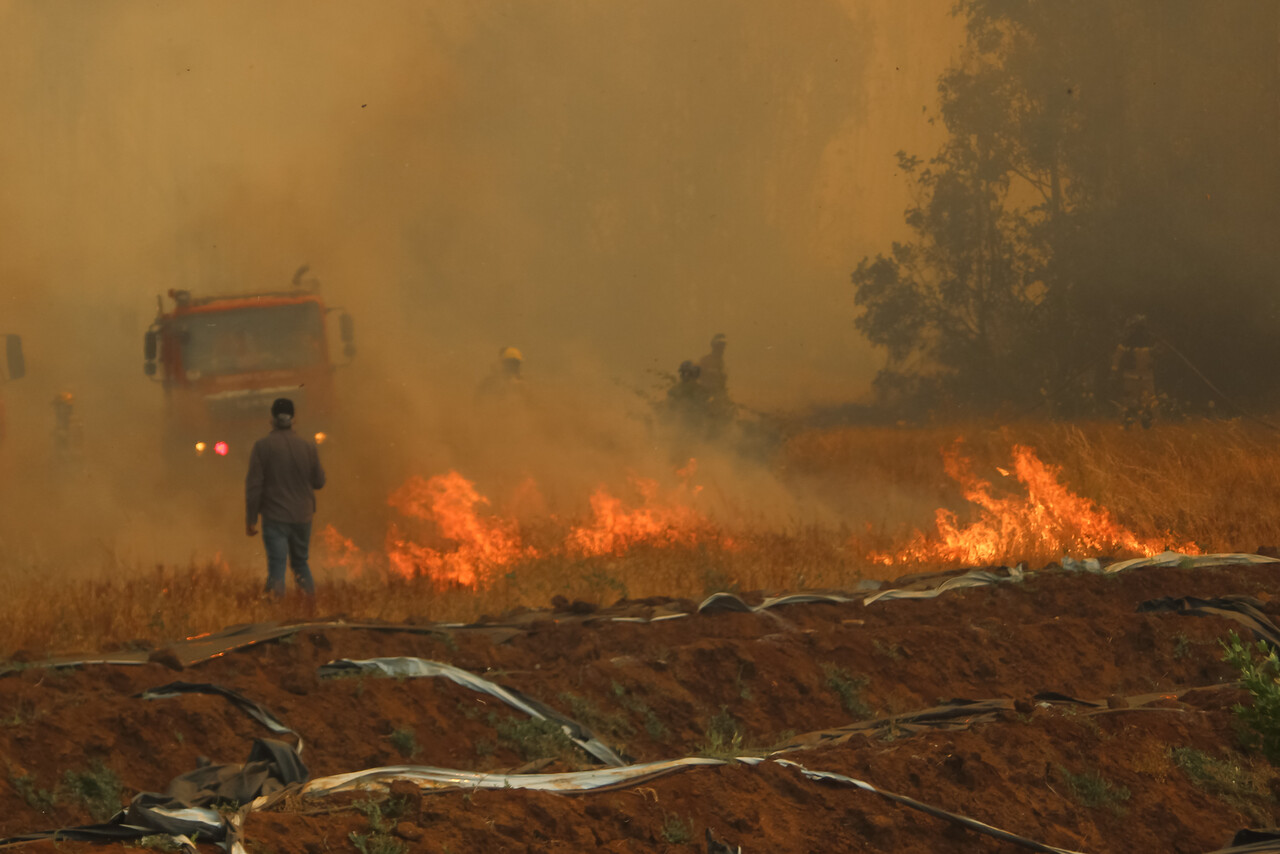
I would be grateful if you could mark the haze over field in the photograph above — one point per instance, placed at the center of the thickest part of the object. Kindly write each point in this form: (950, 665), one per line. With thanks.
(605, 186)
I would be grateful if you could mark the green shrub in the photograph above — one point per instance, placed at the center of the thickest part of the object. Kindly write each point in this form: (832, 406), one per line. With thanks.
(98, 788)
(1260, 676)
(849, 688)
(1092, 790)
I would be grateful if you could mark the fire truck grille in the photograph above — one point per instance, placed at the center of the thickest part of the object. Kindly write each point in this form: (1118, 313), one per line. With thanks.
(251, 403)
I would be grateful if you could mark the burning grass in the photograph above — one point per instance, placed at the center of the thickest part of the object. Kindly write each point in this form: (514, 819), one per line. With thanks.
(1082, 489)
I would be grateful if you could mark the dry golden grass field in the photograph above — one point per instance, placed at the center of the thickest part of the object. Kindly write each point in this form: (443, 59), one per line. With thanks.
(1211, 486)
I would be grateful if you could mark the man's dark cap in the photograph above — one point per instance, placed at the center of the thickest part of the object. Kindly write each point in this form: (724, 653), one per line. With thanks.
(282, 406)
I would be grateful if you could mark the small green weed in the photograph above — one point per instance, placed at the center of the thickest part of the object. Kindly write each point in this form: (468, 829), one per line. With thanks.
(652, 723)
(849, 688)
(722, 739)
(1092, 790)
(379, 814)
(405, 741)
(24, 712)
(158, 842)
(98, 788)
(586, 712)
(377, 842)
(42, 800)
(534, 738)
(889, 650)
(1224, 779)
(1181, 647)
(676, 831)
(1216, 776)
(654, 726)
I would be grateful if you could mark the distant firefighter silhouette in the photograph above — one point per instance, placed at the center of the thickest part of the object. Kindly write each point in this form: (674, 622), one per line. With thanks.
(1133, 371)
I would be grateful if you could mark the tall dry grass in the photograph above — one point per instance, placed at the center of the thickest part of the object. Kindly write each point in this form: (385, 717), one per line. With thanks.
(1214, 483)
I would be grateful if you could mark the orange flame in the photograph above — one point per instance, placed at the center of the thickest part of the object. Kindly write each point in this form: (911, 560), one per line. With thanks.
(1051, 520)
(614, 528)
(342, 552)
(482, 544)
(444, 538)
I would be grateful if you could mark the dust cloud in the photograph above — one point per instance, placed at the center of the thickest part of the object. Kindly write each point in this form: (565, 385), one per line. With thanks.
(603, 185)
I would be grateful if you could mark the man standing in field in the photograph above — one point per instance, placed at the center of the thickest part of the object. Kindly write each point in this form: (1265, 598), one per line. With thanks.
(284, 472)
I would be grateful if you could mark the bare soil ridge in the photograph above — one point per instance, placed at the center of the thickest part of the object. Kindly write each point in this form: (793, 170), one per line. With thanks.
(1108, 775)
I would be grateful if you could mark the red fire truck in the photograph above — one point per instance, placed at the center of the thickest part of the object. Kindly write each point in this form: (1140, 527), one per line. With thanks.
(222, 360)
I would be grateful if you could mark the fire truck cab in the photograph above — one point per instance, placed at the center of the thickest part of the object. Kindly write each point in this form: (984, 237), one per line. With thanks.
(222, 360)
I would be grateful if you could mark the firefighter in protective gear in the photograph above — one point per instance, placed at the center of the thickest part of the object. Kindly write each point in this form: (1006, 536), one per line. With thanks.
(505, 377)
(714, 380)
(1133, 370)
(712, 374)
(688, 401)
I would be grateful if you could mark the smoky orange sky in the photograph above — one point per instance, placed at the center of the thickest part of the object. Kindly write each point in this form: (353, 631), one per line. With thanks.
(604, 185)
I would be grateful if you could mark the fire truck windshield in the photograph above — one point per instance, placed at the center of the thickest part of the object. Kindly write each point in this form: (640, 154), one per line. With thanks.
(239, 340)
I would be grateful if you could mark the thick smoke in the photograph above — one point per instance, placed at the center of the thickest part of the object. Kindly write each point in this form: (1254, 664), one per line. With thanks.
(602, 185)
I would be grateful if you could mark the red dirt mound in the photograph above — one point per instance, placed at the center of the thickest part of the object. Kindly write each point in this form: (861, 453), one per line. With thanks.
(1166, 776)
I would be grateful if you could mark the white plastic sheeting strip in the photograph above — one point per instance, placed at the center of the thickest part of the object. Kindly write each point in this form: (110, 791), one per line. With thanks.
(427, 777)
(972, 578)
(380, 779)
(421, 667)
(1190, 561)
(257, 711)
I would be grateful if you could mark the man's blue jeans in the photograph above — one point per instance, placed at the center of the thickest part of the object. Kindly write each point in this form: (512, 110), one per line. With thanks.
(289, 541)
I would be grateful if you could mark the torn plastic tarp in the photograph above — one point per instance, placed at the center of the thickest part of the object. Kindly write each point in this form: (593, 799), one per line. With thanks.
(973, 578)
(199, 648)
(380, 779)
(1249, 841)
(101, 833)
(1242, 609)
(728, 602)
(272, 765)
(254, 710)
(1190, 561)
(421, 667)
(185, 809)
(568, 782)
